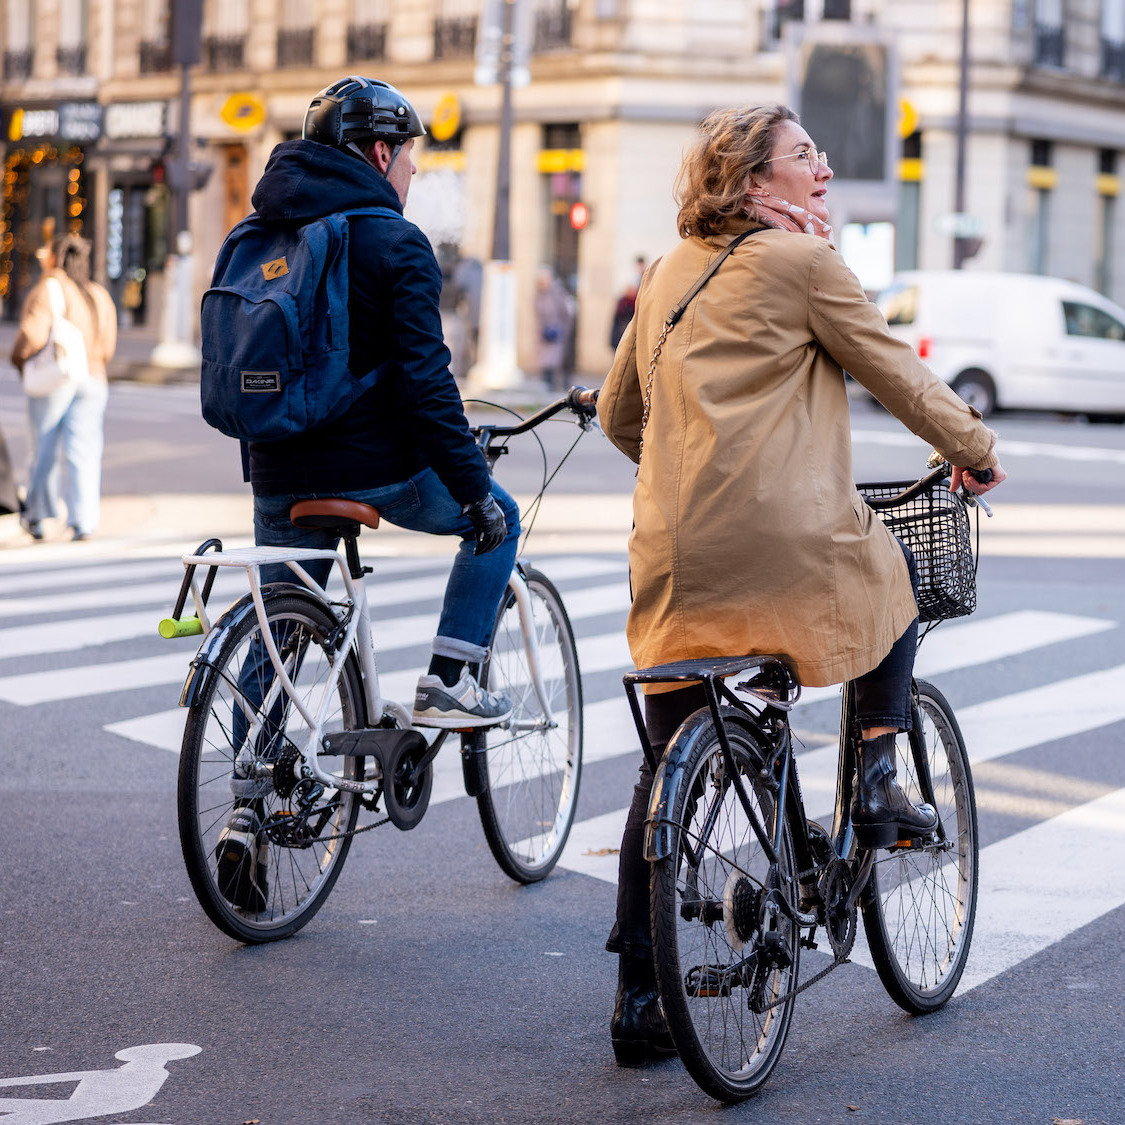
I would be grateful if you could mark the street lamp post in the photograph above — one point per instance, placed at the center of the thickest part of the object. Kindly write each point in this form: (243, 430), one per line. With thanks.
(497, 365)
(177, 348)
(961, 247)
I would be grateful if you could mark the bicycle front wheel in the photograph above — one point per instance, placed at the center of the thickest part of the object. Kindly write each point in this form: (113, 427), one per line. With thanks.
(533, 762)
(263, 850)
(920, 904)
(726, 965)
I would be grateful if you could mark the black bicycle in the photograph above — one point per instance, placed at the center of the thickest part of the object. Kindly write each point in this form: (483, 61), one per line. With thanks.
(742, 880)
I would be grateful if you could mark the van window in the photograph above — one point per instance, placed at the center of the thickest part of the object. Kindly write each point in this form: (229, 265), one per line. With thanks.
(1086, 320)
(899, 303)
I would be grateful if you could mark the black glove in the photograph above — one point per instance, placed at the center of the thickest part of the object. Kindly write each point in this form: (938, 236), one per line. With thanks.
(488, 522)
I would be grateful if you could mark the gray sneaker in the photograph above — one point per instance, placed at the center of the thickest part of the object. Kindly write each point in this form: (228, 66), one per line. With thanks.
(464, 705)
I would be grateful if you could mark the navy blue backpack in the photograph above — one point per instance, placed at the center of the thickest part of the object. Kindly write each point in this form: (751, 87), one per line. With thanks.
(274, 328)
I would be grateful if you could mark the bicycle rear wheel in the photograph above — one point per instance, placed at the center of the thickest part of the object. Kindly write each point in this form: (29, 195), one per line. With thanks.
(263, 850)
(726, 967)
(920, 904)
(534, 761)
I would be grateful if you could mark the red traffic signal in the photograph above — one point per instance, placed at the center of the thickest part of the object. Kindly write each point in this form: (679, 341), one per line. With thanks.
(579, 215)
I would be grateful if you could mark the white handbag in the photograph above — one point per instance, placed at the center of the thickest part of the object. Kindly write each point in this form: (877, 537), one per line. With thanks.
(63, 359)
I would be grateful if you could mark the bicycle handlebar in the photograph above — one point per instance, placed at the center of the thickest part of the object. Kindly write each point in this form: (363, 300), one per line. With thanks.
(940, 470)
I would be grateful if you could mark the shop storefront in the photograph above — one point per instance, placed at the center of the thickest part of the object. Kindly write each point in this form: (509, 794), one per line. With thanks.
(46, 190)
(135, 222)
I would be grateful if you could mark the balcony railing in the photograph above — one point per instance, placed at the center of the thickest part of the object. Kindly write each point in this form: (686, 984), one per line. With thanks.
(552, 27)
(295, 46)
(1050, 44)
(71, 59)
(17, 64)
(155, 56)
(1113, 60)
(367, 41)
(455, 38)
(224, 52)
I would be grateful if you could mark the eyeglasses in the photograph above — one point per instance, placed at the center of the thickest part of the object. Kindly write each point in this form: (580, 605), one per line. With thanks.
(816, 160)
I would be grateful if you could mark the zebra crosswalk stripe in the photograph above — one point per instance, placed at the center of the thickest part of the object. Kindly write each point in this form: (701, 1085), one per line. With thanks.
(1037, 885)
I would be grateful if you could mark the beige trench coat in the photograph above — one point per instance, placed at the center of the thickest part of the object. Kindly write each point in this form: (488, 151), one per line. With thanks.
(96, 322)
(749, 535)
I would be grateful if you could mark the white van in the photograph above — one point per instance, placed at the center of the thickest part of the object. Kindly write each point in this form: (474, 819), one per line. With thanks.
(1014, 340)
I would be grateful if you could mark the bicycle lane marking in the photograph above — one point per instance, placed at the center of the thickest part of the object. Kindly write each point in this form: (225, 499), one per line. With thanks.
(97, 1093)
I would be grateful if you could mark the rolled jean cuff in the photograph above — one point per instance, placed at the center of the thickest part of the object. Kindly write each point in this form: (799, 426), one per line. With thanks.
(457, 649)
(898, 722)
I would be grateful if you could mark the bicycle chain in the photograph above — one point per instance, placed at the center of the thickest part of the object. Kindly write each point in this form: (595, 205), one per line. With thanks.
(801, 987)
(353, 832)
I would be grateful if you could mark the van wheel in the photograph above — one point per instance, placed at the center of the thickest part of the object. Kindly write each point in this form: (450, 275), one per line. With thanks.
(977, 389)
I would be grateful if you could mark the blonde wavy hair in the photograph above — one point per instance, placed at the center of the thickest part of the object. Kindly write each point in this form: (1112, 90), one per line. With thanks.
(715, 175)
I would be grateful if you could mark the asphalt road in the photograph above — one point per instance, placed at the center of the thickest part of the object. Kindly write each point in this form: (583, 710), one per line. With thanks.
(430, 988)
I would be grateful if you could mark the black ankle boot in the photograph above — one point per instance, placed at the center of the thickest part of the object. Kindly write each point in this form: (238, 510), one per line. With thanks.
(881, 812)
(639, 1031)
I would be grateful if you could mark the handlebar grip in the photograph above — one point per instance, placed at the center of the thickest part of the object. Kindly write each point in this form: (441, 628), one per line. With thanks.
(981, 476)
(581, 398)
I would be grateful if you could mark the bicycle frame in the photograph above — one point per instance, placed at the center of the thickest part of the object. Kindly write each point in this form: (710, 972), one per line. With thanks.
(356, 624)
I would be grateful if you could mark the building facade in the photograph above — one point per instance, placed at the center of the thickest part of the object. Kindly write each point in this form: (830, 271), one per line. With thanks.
(606, 94)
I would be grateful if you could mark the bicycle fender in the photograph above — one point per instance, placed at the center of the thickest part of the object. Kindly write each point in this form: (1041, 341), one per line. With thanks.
(659, 829)
(203, 663)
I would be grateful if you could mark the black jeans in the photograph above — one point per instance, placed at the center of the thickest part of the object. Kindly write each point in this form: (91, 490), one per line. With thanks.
(882, 699)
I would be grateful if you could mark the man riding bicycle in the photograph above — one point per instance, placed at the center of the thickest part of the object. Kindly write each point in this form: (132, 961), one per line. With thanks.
(404, 447)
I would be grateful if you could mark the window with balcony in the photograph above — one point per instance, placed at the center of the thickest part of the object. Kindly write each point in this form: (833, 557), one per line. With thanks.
(552, 25)
(779, 14)
(837, 9)
(295, 35)
(19, 51)
(70, 54)
(155, 51)
(1050, 33)
(1113, 40)
(225, 27)
(367, 31)
(455, 29)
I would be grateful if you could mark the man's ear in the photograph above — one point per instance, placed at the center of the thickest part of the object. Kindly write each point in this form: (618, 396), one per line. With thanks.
(381, 156)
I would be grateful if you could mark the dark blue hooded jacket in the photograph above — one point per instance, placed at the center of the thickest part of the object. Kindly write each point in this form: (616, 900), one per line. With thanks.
(413, 417)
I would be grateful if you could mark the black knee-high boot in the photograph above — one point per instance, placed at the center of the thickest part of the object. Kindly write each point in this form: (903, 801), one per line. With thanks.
(639, 1031)
(881, 812)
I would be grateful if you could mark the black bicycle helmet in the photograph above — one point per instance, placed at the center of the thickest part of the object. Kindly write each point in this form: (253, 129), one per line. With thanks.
(359, 109)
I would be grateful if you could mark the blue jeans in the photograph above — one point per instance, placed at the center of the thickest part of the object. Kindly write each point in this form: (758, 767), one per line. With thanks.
(476, 583)
(72, 418)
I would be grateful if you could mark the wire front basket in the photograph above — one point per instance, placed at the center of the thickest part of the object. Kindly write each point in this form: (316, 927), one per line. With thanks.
(934, 524)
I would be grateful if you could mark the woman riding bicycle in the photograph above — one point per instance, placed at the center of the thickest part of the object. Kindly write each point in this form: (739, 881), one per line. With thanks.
(750, 537)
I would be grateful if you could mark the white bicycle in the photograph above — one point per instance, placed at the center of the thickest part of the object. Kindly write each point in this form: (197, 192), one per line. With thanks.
(285, 716)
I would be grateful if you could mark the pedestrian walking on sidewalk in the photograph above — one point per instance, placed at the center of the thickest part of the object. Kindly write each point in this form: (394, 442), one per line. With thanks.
(70, 418)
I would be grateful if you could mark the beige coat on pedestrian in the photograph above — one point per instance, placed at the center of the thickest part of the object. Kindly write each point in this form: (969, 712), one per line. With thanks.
(97, 321)
(749, 535)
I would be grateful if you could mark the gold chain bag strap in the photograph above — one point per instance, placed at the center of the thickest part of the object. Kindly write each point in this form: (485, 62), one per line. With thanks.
(670, 323)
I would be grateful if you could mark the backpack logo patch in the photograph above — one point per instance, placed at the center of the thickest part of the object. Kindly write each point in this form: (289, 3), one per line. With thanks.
(260, 382)
(279, 267)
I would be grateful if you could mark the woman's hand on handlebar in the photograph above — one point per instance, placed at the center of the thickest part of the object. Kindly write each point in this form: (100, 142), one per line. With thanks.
(582, 401)
(971, 483)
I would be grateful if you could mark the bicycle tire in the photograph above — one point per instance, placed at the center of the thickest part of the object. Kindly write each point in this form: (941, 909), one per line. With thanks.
(920, 905)
(706, 915)
(528, 803)
(297, 877)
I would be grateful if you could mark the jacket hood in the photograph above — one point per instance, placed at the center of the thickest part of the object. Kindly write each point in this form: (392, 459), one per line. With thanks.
(305, 180)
